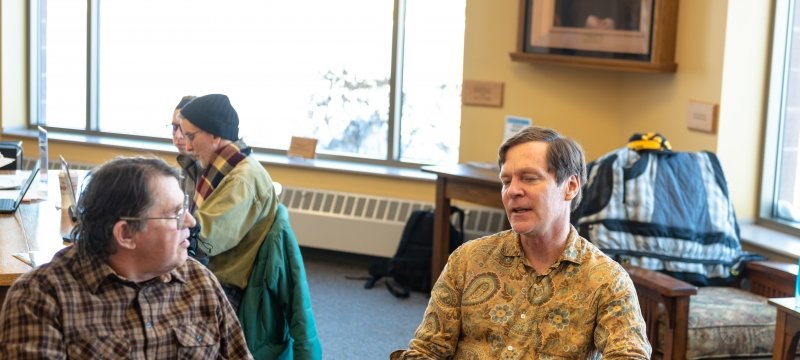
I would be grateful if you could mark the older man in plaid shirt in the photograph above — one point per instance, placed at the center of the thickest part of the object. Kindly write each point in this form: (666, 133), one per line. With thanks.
(127, 288)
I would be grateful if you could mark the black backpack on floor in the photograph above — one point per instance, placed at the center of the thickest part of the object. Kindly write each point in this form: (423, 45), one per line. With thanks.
(410, 268)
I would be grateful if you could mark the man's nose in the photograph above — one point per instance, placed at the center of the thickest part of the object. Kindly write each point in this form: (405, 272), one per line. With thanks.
(190, 221)
(513, 188)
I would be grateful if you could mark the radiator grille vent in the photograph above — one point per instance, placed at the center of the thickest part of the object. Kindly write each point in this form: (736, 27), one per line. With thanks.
(366, 224)
(477, 219)
(350, 205)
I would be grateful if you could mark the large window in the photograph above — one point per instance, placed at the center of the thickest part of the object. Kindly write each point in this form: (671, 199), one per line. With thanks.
(780, 195)
(374, 80)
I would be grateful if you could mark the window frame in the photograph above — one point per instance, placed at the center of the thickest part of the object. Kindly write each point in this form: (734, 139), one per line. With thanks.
(782, 35)
(92, 125)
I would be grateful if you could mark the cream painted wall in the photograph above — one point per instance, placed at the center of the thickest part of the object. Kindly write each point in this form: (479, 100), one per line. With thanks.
(601, 109)
(722, 52)
(743, 101)
(583, 104)
(659, 102)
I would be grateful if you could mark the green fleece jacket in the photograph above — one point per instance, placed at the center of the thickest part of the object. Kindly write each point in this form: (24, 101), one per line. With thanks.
(275, 312)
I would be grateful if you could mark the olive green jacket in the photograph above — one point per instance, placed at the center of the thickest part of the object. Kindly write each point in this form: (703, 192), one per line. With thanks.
(235, 219)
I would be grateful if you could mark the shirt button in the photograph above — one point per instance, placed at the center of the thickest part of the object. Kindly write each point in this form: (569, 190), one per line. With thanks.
(522, 316)
(198, 338)
(510, 348)
(148, 325)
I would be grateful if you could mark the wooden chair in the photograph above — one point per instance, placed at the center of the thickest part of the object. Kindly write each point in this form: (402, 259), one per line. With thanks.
(664, 297)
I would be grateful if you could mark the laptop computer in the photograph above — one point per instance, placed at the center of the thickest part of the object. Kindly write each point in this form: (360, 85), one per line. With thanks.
(9, 206)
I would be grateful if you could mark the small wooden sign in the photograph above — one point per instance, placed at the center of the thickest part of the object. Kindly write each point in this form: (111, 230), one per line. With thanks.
(483, 93)
(303, 147)
(702, 116)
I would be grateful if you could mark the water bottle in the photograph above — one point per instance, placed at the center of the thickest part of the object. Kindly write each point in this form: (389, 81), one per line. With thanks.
(63, 184)
(797, 288)
(68, 184)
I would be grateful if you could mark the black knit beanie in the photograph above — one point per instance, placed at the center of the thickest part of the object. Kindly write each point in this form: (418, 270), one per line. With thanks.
(184, 100)
(213, 114)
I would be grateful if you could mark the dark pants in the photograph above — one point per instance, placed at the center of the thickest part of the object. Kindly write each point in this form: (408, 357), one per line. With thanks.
(234, 295)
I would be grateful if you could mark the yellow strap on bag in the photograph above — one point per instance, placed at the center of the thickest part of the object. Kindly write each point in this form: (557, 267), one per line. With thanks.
(649, 141)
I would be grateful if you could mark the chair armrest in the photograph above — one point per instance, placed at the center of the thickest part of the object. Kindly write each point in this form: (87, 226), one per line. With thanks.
(771, 279)
(662, 284)
(659, 293)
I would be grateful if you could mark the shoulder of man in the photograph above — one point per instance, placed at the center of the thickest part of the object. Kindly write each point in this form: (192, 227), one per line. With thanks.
(249, 170)
(503, 242)
(196, 270)
(597, 259)
(61, 270)
(251, 173)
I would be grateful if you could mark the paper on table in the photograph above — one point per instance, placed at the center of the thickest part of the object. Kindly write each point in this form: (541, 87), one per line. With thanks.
(9, 194)
(9, 182)
(34, 193)
(5, 161)
(35, 258)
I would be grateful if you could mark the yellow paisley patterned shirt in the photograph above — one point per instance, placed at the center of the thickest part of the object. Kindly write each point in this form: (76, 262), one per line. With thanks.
(489, 303)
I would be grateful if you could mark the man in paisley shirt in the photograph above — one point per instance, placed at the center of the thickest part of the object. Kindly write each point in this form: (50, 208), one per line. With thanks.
(539, 290)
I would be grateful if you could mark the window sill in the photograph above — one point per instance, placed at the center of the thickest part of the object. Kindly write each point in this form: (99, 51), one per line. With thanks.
(268, 159)
(769, 240)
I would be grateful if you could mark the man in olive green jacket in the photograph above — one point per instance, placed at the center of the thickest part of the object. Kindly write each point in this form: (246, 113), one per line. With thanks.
(234, 201)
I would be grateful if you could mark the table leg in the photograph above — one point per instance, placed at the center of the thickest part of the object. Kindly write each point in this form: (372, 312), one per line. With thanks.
(787, 332)
(441, 230)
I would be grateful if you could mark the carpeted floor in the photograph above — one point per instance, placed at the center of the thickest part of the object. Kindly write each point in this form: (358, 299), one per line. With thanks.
(353, 322)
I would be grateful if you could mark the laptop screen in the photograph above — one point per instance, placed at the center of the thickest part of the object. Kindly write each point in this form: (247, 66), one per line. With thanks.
(28, 182)
(7, 207)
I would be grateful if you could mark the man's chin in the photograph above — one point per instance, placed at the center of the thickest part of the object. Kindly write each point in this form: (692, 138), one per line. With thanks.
(521, 227)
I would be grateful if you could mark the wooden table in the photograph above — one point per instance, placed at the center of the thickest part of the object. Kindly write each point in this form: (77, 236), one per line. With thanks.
(787, 328)
(44, 222)
(464, 182)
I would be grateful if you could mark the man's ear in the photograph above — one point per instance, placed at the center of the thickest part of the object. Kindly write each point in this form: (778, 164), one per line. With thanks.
(572, 187)
(123, 235)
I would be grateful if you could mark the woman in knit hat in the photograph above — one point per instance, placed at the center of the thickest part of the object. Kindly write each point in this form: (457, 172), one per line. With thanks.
(234, 200)
(235, 206)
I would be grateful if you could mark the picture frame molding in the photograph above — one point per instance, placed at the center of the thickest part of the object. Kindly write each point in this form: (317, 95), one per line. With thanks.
(622, 50)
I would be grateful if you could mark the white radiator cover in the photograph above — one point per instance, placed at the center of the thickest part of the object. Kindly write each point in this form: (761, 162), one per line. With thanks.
(367, 225)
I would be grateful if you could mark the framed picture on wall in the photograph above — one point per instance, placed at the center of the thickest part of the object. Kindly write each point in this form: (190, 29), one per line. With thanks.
(618, 34)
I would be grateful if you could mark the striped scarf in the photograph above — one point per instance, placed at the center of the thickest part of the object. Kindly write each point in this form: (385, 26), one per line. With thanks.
(227, 158)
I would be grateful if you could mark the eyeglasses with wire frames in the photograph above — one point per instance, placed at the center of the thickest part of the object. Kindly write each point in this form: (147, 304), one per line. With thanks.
(175, 127)
(178, 217)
